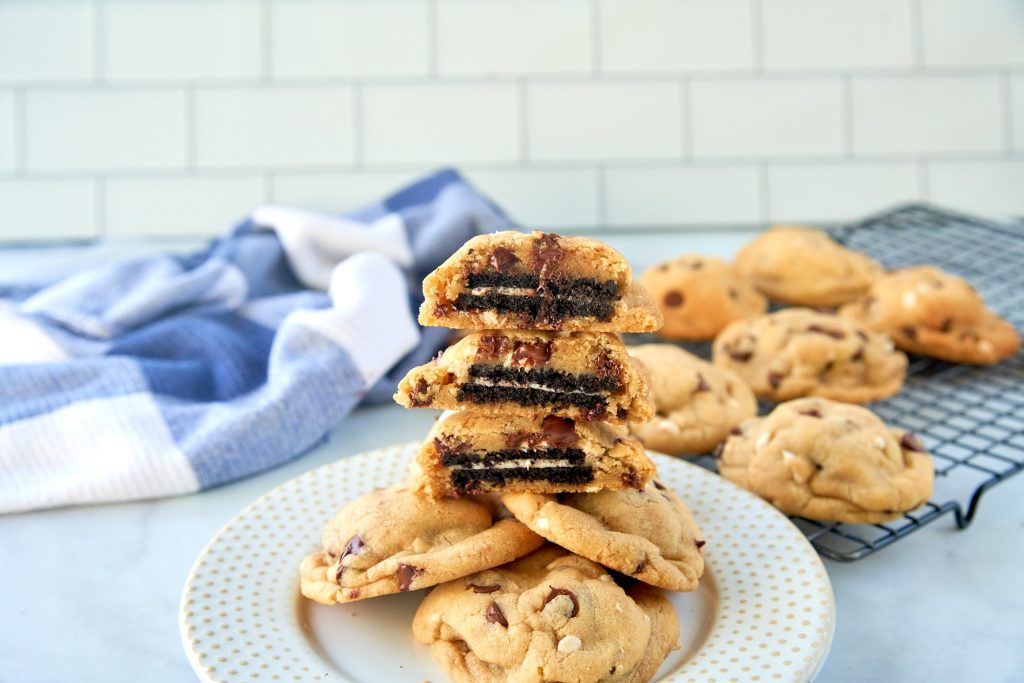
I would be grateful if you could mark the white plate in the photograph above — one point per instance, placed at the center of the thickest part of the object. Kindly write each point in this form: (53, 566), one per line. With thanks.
(764, 609)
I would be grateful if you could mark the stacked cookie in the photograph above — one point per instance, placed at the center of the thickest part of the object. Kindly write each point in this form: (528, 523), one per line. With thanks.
(529, 489)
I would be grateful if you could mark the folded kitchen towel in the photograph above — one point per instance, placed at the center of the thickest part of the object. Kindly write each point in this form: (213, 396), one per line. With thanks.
(165, 374)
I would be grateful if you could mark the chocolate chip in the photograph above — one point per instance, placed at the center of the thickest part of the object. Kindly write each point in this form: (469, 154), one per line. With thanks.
(559, 432)
(406, 575)
(354, 546)
(516, 439)
(547, 254)
(728, 388)
(739, 356)
(353, 594)
(494, 615)
(640, 567)
(444, 448)
(477, 588)
(607, 366)
(910, 442)
(702, 385)
(503, 258)
(528, 354)
(418, 398)
(775, 378)
(946, 325)
(909, 332)
(718, 450)
(835, 334)
(663, 267)
(735, 431)
(631, 480)
(862, 334)
(699, 543)
(673, 299)
(555, 592)
(733, 294)
(813, 412)
(858, 355)
(658, 485)
(493, 345)
(696, 264)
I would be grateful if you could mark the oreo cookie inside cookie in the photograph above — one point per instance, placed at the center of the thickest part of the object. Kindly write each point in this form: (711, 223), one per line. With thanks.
(536, 386)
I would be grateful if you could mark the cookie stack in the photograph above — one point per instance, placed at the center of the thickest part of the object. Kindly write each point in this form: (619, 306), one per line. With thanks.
(532, 449)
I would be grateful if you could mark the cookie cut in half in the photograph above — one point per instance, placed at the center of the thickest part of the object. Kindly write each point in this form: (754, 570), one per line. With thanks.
(469, 452)
(699, 295)
(540, 281)
(803, 266)
(831, 461)
(394, 540)
(697, 403)
(648, 535)
(801, 352)
(580, 375)
(550, 616)
(932, 313)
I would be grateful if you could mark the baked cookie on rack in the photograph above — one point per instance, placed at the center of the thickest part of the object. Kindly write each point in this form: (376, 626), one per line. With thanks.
(550, 616)
(803, 266)
(932, 313)
(394, 540)
(697, 403)
(801, 352)
(579, 375)
(537, 281)
(648, 535)
(826, 460)
(470, 452)
(699, 295)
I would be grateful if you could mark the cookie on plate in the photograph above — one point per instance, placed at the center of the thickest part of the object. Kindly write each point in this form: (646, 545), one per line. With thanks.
(805, 267)
(579, 375)
(394, 540)
(832, 461)
(699, 295)
(800, 352)
(470, 452)
(932, 313)
(648, 535)
(697, 403)
(537, 281)
(550, 616)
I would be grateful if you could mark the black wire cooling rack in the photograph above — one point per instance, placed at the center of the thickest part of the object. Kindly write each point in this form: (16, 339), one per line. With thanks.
(971, 418)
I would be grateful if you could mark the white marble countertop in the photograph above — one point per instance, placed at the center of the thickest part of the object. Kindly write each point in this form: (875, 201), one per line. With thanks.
(91, 594)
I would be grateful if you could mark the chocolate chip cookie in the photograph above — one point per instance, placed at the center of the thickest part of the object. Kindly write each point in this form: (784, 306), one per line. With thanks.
(932, 313)
(537, 281)
(394, 540)
(579, 375)
(697, 403)
(826, 460)
(649, 535)
(470, 452)
(699, 295)
(550, 616)
(805, 267)
(800, 352)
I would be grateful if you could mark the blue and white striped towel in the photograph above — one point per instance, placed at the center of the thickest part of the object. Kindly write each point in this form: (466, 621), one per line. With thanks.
(167, 375)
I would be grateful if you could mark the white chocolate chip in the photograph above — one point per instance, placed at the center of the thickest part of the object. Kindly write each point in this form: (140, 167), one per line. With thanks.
(909, 299)
(669, 426)
(618, 607)
(569, 644)
(800, 468)
(762, 441)
(606, 577)
(985, 346)
(880, 442)
(543, 523)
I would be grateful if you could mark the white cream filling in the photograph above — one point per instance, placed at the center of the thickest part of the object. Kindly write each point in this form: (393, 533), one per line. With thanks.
(511, 291)
(509, 464)
(484, 381)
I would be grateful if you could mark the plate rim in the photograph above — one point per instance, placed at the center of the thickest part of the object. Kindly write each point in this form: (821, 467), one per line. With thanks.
(202, 673)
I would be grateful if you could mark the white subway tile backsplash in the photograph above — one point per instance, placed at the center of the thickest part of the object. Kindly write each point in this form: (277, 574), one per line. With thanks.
(282, 126)
(180, 205)
(8, 134)
(838, 192)
(104, 130)
(337, 192)
(324, 38)
(543, 199)
(589, 121)
(837, 34)
(36, 210)
(926, 115)
(676, 35)
(787, 118)
(513, 37)
(971, 33)
(435, 124)
(44, 42)
(179, 40)
(990, 188)
(1017, 112)
(665, 196)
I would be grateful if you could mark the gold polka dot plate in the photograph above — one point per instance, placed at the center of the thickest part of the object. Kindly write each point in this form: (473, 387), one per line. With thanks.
(764, 610)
